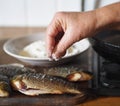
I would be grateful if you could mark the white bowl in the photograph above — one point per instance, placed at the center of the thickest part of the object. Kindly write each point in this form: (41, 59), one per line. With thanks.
(13, 47)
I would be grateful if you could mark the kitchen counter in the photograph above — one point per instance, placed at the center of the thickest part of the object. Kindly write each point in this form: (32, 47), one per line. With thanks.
(10, 32)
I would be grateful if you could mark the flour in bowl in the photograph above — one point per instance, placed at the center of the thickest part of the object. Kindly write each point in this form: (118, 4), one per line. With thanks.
(37, 49)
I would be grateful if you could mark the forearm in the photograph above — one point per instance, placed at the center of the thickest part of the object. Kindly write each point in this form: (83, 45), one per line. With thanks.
(108, 17)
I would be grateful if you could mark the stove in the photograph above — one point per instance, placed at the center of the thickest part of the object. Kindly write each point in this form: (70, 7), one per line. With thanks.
(106, 74)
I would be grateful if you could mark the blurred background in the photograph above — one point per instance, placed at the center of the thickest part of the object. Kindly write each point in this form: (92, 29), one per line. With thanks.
(29, 16)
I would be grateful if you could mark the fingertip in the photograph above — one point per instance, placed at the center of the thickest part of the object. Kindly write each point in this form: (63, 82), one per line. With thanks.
(50, 51)
(49, 54)
(50, 59)
(54, 57)
(50, 43)
(58, 55)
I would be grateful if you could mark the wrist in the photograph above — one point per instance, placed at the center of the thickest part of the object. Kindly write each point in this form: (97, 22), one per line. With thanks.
(107, 17)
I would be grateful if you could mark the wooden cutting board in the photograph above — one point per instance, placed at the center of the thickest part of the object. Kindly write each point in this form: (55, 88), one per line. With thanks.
(17, 98)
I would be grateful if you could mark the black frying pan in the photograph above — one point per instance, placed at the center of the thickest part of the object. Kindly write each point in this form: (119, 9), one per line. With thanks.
(107, 45)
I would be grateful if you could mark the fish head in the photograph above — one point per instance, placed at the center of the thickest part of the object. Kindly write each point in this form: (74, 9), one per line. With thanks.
(22, 85)
(17, 83)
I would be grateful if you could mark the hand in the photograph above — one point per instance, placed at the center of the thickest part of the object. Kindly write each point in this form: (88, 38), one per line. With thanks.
(67, 28)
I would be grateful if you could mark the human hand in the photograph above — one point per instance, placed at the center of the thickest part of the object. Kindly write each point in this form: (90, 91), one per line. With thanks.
(67, 28)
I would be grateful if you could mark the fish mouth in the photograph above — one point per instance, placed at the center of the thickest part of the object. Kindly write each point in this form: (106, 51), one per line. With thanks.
(21, 87)
(18, 84)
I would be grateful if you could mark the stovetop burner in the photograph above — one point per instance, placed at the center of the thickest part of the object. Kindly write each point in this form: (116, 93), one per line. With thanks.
(106, 76)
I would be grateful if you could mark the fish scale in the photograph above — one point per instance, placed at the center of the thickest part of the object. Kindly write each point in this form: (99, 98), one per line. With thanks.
(44, 83)
(11, 70)
(46, 80)
(71, 73)
(59, 71)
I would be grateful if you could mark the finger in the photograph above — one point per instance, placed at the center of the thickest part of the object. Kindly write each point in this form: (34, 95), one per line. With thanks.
(50, 43)
(52, 31)
(67, 40)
